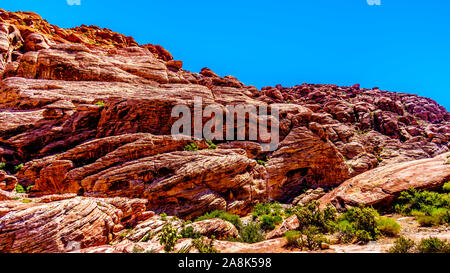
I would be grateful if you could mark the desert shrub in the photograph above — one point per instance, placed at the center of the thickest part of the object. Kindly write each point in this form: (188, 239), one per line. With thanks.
(163, 216)
(2, 165)
(403, 245)
(189, 232)
(204, 247)
(269, 222)
(346, 232)
(269, 215)
(357, 220)
(388, 226)
(419, 200)
(18, 167)
(446, 187)
(429, 208)
(251, 233)
(211, 145)
(293, 238)
(433, 245)
(232, 218)
(261, 162)
(20, 189)
(311, 215)
(311, 238)
(192, 147)
(169, 237)
(428, 221)
(100, 103)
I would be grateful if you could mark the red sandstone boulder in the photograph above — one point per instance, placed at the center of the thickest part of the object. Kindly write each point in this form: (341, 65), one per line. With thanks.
(379, 187)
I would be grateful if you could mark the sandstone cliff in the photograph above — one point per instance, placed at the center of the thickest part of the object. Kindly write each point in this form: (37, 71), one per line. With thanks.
(87, 111)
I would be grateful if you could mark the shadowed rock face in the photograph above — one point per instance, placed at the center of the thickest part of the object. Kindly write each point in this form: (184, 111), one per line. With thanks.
(88, 113)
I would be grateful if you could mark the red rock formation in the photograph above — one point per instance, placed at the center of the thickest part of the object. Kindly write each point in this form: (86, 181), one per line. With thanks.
(380, 186)
(88, 112)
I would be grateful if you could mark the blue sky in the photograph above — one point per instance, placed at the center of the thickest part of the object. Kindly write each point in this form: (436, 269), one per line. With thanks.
(402, 45)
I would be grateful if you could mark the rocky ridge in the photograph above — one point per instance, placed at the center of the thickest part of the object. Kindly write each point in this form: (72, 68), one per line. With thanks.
(87, 111)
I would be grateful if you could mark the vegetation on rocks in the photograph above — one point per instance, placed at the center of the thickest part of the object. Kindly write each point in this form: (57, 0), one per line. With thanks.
(429, 208)
(232, 218)
(169, 237)
(428, 245)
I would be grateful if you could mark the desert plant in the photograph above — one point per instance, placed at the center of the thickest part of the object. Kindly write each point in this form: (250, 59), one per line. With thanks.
(20, 189)
(211, 145)
(2, 165)
(293, 238)
(232, 218)
(168, 237)
(312, 238)
(388, 226)
(433, 245)
(100, 103)
(403, 245)
(191, 147)
(362, 219)
(268, 215)
(189, 232)
(251, 233)
(204, 247)
(18, 167)
(311, 215)
(268, 222)
(446, 187)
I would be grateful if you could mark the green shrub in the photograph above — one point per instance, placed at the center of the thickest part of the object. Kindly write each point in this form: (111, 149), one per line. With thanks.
(311, 215)
(403, 245)
(433, 245)
(269, 222)
(192, 147)
(29, 188)
(418, 200)
(2, 165)
(346, 232)
(261, 162)
(361, 219)
(251, 233)
(211, 145)
(293, 238)
(100, 103)
(446, 187)
(388, 226)
(204, 247)
(363, 236)
(18, 167)
(269, 215)
(163, 216)
(189, 232)
(428, 221)
(220, 214)
(168, 237)
(20, 189)
(312, 239)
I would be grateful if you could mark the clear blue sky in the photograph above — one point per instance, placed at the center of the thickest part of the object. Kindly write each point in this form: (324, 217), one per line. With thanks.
(402, 45)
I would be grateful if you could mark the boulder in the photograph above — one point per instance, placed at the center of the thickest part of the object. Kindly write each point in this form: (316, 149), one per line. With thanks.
(59, 226)
(380, 186)
(215, 227)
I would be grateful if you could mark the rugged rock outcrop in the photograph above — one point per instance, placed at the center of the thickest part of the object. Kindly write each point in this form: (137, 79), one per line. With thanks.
(88, 112)
(218, 228)
(65, 225)
(380, 186)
